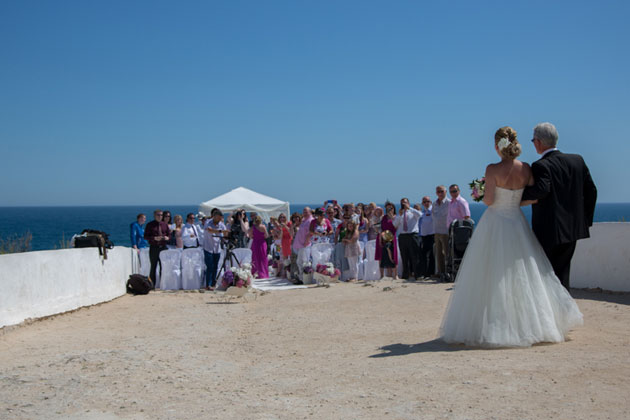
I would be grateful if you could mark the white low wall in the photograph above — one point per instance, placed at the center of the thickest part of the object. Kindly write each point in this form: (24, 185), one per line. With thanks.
(38, 284)
(42, 283)
(603, 260)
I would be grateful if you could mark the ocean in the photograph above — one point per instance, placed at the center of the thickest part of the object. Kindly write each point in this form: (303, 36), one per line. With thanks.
(50, 225)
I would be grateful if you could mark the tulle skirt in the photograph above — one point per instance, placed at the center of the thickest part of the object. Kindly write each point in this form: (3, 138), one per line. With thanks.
(506, 293)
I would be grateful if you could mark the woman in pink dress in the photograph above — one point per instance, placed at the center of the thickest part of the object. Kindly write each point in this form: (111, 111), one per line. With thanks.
(387, 223)
(260, 264)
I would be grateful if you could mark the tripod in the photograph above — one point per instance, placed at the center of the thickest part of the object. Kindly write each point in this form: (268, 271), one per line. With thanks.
(229, 254)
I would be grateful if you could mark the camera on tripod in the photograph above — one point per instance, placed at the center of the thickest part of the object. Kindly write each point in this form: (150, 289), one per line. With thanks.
(228, 242)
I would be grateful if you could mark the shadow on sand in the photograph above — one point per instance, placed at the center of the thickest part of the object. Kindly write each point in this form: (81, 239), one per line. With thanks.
(432, 346)
(620, 298)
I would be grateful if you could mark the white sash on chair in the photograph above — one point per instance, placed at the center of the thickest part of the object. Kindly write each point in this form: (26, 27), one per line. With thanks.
(171, 273)
(193, 268)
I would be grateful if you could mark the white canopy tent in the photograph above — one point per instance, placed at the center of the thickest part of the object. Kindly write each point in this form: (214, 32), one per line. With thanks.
(250, 201)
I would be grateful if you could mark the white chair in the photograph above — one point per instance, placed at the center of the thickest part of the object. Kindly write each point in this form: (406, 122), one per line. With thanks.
(362, 253)
(400, 266)
(193, 268)
(244, 256)
(361, 263)
(304, 256)
(321, 254)
(371, 268)
(145, 262)
(171, 273)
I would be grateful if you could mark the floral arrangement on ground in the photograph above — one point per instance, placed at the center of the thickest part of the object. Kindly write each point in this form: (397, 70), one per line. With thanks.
(328, 270)
(238, 276)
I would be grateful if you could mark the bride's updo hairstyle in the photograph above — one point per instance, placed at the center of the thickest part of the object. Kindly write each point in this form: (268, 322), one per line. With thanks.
(509, 148)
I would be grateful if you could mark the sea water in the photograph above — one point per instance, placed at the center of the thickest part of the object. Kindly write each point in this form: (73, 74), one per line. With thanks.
(50, 225)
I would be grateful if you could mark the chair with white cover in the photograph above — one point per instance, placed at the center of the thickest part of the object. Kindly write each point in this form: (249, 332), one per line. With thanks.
(244, 256)
(362, 253)
(371, 267)
(193, 269)
(171, 273)
(145, 262)
(399, 268)
(303, 256)
(321, 254)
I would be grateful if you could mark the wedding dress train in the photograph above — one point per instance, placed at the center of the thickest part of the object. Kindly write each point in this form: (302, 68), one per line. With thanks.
(506, 293)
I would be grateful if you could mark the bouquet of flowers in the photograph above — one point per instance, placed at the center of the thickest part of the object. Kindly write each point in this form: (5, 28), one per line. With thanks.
(239, 277)
(478, 189)
(325, 273)
(307, 268)
(328, 270)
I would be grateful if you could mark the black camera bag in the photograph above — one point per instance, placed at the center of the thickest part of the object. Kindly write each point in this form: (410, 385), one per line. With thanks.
(91, 238)
(139, 284)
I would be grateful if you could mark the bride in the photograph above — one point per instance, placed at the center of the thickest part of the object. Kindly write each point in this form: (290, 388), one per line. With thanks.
(506, 293)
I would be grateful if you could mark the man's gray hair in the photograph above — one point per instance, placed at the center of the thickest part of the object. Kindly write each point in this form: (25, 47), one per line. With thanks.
(546, 133)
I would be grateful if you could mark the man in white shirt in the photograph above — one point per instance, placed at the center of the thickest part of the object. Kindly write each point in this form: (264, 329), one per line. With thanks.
(440, 227)
(214, 231)
(406, 223)
(191, 236)
(427, 233)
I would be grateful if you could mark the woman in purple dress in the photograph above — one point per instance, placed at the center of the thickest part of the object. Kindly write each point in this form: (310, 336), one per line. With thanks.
(258, 233)
(387, 223)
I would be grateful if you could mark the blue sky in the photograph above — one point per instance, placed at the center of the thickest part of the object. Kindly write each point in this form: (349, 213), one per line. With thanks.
(119, 102)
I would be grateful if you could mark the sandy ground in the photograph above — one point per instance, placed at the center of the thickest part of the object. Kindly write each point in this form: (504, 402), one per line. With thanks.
(345, 352)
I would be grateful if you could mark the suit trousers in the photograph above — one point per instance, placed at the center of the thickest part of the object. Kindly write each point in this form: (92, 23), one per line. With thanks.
(560, 258)
(154, 258)
(427, 258)
(409, 244)
(441, 249)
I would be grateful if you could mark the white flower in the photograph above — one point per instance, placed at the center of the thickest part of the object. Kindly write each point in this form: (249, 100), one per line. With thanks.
(503, 143)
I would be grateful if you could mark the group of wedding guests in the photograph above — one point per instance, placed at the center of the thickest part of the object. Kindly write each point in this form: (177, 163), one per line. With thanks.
(417, 231)
(204, 232)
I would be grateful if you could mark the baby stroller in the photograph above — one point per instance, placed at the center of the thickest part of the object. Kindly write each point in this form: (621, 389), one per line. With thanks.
(459, 234)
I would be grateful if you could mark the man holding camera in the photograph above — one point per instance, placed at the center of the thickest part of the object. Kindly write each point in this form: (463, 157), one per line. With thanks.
(214, 229)
(156, 233)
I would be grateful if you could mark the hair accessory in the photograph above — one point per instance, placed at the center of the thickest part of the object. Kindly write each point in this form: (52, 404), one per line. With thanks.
(503, 143)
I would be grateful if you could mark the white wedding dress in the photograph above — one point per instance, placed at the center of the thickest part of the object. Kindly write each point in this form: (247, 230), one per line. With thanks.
(506, 293)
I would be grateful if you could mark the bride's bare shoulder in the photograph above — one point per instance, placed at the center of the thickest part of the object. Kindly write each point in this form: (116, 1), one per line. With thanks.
(525, 166)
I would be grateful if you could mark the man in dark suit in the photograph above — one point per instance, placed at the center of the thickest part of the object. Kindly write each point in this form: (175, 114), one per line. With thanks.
(565, 195)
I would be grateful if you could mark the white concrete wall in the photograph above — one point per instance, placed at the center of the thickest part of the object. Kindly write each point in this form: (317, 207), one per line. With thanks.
(42, 283)
(603, 260)
(38, 284)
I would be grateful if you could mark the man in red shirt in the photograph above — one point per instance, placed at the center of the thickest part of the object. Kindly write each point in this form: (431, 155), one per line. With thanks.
(156, 233)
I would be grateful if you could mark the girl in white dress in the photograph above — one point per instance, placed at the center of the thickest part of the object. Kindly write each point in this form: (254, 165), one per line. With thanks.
(506, 293)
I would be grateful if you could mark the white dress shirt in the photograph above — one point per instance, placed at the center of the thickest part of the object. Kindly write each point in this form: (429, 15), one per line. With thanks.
(412, 216)
(553, 149)
(190, 236)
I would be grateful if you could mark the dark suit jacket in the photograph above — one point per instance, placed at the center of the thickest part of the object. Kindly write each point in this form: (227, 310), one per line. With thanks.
(566, 198)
